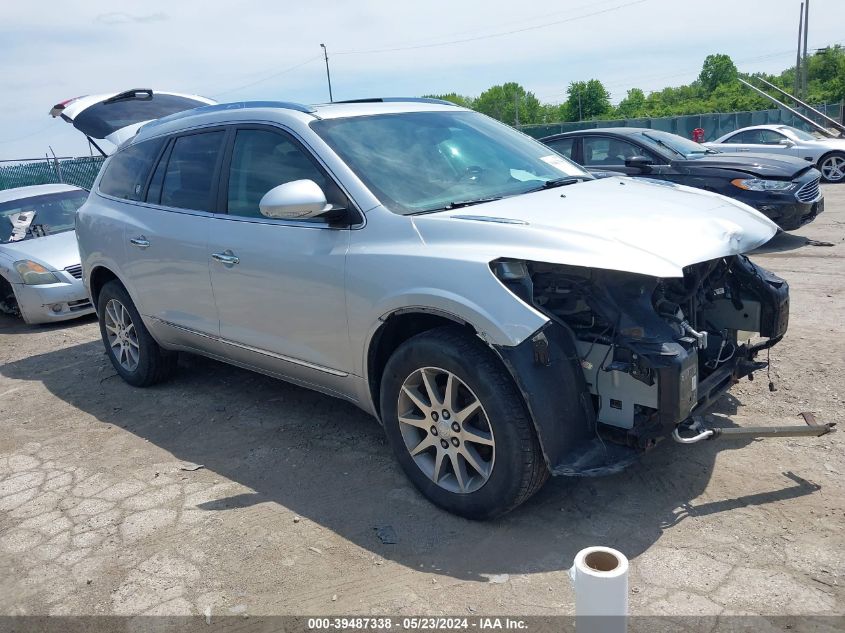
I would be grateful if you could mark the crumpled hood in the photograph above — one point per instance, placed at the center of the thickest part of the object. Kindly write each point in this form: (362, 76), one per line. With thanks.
(55, 252)
(636, 225)
(766, 165)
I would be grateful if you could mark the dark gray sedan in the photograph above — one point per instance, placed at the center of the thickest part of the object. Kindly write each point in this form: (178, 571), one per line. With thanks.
(783, 188)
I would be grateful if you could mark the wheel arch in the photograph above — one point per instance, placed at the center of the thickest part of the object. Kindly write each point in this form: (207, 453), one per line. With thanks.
(825, 156)
(99, 277)
(395, 328)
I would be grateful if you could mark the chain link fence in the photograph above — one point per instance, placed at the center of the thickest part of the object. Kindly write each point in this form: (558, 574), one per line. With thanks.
(713, 124)
(73, 171)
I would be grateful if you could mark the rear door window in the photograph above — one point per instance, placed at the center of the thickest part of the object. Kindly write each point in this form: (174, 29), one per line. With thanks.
(127, 171)
(563, 146)
(190, 178)
(742, 137)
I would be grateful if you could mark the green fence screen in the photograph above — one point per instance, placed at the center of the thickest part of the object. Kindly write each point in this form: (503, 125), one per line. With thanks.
(73, 171)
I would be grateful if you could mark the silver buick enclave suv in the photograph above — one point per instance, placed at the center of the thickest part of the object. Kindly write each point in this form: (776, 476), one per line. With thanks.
(502, 313)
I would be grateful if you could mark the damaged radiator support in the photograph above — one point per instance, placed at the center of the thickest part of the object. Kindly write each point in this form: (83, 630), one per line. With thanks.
(627, 359)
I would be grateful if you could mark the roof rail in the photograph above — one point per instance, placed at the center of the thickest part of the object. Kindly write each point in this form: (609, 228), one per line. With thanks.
(397, 100)
(220, 107)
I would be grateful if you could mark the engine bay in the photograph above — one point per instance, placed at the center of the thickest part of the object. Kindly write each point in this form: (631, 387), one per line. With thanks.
(653, 350)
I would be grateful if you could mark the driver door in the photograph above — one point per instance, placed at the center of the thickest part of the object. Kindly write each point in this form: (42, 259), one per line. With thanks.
(604, 152)
(278, 284)
(764, 141)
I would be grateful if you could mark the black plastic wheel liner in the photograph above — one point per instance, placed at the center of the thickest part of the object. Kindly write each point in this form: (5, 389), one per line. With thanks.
(546, 370)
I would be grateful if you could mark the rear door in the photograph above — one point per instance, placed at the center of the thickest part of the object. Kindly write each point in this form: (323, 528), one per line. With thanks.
(279, 284)
(166, 238)
(116, 117)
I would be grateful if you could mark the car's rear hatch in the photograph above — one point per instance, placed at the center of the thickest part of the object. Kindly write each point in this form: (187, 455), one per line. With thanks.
(117, 116)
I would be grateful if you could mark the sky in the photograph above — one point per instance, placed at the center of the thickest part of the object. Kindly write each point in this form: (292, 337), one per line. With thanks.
(270, 49)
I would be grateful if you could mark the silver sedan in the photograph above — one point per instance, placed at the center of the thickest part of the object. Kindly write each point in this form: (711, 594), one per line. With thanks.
(827, 154)
(40, 273)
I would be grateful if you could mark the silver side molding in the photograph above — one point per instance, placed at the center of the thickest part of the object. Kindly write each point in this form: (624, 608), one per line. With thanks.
(257, 350)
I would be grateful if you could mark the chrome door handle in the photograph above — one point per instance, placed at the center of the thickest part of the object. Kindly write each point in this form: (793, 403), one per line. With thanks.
(140, 241)
(227, 258)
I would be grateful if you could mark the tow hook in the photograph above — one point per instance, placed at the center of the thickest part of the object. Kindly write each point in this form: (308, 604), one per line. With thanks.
(700, 432)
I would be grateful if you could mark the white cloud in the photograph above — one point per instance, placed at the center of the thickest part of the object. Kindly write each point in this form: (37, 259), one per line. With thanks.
(214, 48)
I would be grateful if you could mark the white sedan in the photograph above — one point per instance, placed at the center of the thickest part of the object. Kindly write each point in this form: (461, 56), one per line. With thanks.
(827, 154)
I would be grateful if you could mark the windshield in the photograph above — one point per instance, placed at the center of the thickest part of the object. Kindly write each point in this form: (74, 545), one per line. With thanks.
(677, 144)
(418, 162)
(799, 134)
(38, 216)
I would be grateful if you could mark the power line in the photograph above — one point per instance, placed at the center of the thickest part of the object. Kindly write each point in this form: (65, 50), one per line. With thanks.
(436, 40)
(492, 35)
(25, 136)
(267, 78)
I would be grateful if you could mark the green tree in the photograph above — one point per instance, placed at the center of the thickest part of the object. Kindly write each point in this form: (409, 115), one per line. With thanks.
(454, 97)
(826, 75)
(509, 101)
(633, 105)
(717, 70)
(587, 100)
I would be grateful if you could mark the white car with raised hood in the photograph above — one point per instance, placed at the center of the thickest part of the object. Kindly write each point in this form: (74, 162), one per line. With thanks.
(40, 273)
(505, 315)
(827, 154)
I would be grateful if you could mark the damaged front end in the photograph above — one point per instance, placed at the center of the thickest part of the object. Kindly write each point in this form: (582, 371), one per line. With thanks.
(635, 356)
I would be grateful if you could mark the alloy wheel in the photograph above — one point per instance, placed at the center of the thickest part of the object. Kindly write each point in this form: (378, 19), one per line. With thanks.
(833, 168)
(446, 430)
(122, 336)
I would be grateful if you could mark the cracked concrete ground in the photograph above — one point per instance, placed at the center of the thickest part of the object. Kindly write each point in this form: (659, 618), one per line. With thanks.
(103, 512)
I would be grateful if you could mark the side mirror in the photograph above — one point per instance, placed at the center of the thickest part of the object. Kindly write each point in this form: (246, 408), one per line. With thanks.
(643, 163)
(785, 142)
(296, 200)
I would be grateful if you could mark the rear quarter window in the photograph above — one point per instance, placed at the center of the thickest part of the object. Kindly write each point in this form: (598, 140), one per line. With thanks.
(127, 171)
(562, 146)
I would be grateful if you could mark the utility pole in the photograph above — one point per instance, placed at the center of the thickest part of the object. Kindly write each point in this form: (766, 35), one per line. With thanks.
(328, 75)
(580, 115)
(806, 65)
(796, 90)
(516, 107)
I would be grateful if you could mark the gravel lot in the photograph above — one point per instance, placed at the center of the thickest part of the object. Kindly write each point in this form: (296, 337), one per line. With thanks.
(101, 511)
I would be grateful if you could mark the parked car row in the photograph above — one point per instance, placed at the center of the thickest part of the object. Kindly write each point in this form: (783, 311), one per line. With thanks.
(784, 188)
(503, 313)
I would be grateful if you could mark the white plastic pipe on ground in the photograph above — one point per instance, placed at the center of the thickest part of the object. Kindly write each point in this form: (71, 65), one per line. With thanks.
(600, 579)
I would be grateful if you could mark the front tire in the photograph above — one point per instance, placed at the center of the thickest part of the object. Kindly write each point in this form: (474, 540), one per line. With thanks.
(133, 352)
(458, 425)
(832, 167)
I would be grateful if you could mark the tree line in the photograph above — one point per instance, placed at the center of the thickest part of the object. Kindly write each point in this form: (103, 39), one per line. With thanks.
(717, 89)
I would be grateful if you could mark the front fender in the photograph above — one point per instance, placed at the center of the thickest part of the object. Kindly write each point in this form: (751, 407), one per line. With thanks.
(471, 294)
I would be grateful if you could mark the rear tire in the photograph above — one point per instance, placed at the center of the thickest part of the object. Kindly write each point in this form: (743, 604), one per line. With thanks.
(832, 167)
(476, 453)
(133, 352)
